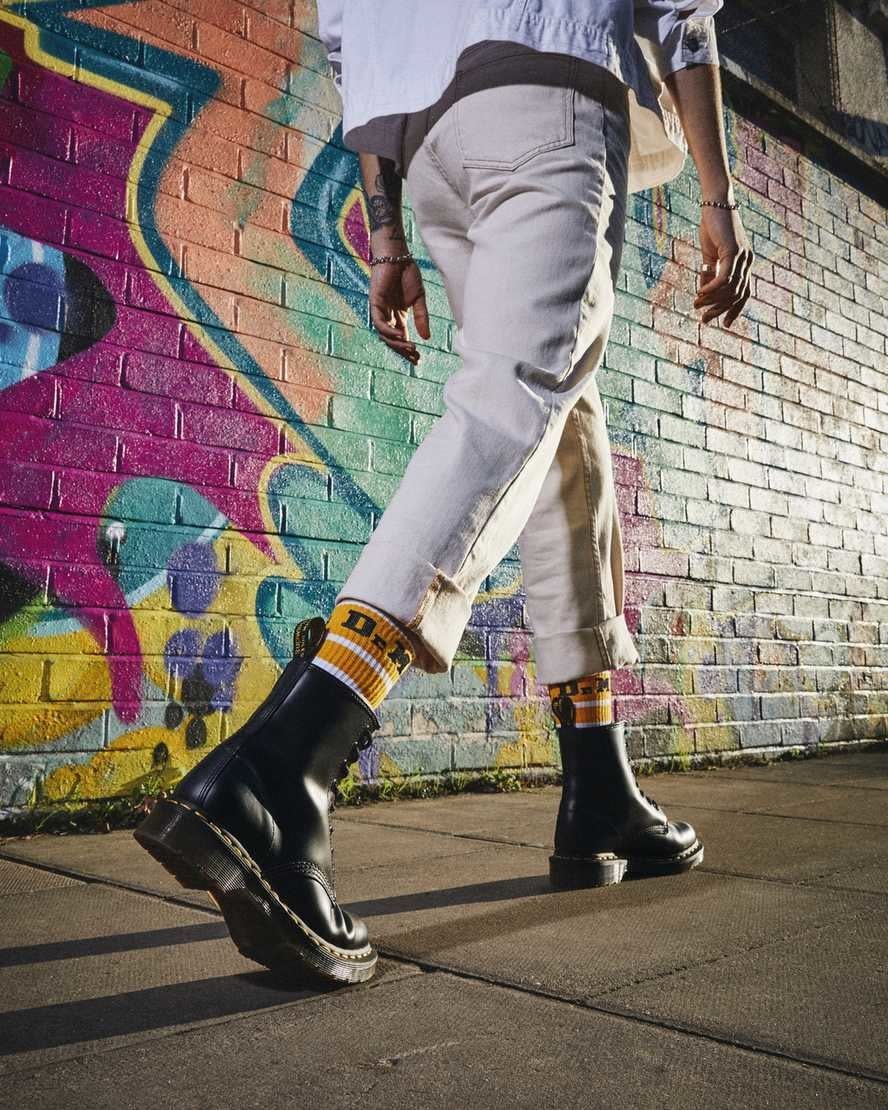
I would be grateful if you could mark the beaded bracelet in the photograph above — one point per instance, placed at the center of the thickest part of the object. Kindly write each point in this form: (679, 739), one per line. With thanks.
(720, 203)
(391, 258)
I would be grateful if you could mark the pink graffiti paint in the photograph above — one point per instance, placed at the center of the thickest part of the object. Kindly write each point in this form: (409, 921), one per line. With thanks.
(141, 339)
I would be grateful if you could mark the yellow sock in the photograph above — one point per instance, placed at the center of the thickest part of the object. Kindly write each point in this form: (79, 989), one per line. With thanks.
(583, 702)
(365, 649)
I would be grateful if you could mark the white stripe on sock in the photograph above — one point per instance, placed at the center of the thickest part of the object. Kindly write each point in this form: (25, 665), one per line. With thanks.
(342, 676)
(362, 654)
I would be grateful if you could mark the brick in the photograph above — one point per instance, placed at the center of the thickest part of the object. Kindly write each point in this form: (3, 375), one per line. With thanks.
(710, 568)
(777, 654)
(793, 578)
(728, 443)
(225, 427)
(750, 522)
(58, 181)
(38, 441)
(730, 600)
(749, 473)
(728, 493)
(771, 551)
(715, 680)
(683, 482)
(753, 573)
(795, 628)
(708, 514)
(773, 602)
(20, 679)
(83, 680)
(682, 431)
(381, 421)
(779, 706)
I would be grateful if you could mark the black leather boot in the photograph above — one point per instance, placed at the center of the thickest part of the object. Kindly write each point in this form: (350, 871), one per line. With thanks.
(251, 824)
(607, 826)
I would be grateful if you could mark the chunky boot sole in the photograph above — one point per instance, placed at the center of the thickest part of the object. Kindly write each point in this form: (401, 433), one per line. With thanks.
(575, 872)
(674, 865)
(201, 856)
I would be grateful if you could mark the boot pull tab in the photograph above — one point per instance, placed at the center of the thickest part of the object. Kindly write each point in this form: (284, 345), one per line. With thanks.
(564, 711)
(307, 637)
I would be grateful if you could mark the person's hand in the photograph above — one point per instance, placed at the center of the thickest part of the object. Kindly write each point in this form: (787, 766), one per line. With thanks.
(395, 287)
(725, 285)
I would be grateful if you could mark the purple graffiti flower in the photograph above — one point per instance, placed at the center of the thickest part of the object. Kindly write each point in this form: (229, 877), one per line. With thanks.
(220, 669)
(192, 577)
(207, 673)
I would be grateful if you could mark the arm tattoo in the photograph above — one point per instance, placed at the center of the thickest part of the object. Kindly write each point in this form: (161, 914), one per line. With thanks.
(384, 201)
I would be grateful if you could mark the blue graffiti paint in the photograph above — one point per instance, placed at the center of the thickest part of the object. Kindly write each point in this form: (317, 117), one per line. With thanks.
(32, 282)
(51, 307)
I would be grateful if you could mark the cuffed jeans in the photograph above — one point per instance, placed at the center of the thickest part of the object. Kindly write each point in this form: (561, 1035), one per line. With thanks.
(517, 179)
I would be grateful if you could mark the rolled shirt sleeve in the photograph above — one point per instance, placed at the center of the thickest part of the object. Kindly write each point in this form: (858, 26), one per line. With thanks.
(680, 32)
(330, 31)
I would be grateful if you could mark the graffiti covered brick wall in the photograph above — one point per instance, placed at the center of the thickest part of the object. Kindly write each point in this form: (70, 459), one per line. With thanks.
(198, 431)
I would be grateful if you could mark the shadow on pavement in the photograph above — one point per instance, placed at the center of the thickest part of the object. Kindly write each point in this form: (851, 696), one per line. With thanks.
(141, 1011)
(499, 890)
(102, 946)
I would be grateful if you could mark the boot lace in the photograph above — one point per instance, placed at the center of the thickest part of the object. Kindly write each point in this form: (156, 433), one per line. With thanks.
(361, 744)
(656, 805)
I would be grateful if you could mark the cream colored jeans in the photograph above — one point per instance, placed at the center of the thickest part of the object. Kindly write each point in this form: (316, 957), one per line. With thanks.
(517, 179)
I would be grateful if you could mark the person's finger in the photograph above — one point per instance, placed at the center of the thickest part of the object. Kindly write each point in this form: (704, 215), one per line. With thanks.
(743, 262)
(404, 347)
(402, 315)
(743, 283)
(745, 289)
(398, 341)
(379, 319)
(746, 284)
(735, 311)
(707, 276)
(707, 272)
(727, 303)
(716, 295)
(411, 356)
(723, 304)
(712, 296)
(421, 318)
(718, 282)
(737, 269)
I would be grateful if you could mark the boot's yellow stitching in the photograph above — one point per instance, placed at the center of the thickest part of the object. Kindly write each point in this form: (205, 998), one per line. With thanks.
(340, 953)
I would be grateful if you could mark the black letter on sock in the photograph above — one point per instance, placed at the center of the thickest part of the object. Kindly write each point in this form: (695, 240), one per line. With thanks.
(362, 629)
(399, 657)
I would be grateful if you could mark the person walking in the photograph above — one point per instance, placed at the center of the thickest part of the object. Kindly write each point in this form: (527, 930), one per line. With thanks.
(520, 127)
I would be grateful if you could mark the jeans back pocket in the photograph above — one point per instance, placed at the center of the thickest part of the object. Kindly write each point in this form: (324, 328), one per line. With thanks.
(510, 109)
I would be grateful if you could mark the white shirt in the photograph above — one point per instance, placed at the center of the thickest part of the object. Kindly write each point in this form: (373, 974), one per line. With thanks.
(391, 57)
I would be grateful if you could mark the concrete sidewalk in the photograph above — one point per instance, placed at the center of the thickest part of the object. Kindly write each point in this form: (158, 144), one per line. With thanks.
(758, 980)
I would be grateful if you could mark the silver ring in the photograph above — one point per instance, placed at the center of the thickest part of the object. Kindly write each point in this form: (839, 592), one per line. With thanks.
(707, 269)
